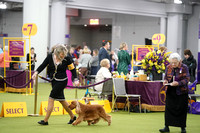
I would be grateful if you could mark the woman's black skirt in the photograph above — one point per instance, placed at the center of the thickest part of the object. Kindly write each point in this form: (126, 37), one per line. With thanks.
(57, 92)
(176, 108)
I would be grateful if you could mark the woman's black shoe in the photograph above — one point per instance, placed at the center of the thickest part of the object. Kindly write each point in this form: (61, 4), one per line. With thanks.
(71, 121)
(42, 122)
(164, 130)
(183, 130)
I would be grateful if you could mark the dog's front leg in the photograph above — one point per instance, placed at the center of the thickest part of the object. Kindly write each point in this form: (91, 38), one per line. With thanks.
(89, 122)
(78, 120)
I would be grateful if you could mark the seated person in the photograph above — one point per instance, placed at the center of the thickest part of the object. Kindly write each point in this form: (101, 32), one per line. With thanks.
(102, 74)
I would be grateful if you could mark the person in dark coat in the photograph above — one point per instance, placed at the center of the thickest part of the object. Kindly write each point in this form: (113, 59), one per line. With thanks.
(15, 65)
(57, 62)
(33, 58)
(176, 105)
(103, 53)
(191, 64)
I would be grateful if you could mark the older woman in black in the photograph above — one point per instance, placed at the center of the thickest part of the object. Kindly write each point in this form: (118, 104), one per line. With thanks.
(58, 63)
(177, 78)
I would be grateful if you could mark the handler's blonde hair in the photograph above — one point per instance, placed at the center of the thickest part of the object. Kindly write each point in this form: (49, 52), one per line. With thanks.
(60, 48)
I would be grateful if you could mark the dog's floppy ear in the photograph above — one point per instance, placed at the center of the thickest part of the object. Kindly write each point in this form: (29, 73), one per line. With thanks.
(74, 103)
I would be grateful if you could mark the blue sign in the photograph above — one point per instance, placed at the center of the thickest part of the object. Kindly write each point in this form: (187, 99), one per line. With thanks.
(3, 35)
(67, 36)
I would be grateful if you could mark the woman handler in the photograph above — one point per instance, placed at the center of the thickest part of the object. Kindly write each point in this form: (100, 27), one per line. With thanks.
(57, 64)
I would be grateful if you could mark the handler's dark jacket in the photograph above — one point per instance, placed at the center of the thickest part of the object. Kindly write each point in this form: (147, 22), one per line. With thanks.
(57, 72)
(182, 76)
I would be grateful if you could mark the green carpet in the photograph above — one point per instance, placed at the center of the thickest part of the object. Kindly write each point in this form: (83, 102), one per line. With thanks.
(121, 121)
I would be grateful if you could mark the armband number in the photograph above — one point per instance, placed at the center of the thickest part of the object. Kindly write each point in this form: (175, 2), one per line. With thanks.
(71, 66)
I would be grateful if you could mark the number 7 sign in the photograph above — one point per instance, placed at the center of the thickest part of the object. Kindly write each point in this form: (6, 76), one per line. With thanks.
(29, 29)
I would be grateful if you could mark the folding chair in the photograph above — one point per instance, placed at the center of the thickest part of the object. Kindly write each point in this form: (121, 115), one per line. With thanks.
(120, 91)
(106, 90)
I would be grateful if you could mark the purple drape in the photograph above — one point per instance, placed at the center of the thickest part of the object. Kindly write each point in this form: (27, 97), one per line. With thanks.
(152, 93)
(18, 80)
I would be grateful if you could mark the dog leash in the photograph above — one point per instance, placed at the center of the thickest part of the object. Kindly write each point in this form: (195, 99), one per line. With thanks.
(78, 106)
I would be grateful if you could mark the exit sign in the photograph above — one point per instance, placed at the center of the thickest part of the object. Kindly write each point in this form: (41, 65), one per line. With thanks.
(94, 21)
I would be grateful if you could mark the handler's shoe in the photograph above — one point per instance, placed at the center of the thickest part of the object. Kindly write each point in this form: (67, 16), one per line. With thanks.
(42, 122)
(183, 130)
(71, 121)
(164, 130)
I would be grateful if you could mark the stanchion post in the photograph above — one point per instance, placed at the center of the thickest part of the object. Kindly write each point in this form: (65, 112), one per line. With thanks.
(36, 88)
(35, 100)
(26, 81)
(113, 99)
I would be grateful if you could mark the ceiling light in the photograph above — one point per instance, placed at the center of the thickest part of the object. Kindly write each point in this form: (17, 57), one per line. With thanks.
(178, 1)
(3, 5)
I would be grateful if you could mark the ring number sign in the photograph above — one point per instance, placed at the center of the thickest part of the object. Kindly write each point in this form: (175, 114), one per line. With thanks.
(29, 29)
(158, 39)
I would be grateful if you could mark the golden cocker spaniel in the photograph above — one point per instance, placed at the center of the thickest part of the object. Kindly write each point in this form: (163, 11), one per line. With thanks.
(89, 113)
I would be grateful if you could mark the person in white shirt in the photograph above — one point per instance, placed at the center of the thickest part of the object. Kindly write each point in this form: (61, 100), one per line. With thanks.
(102, 74)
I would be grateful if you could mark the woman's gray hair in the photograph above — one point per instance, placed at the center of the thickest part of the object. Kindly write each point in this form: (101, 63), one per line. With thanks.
(60, 48)
(175, 56)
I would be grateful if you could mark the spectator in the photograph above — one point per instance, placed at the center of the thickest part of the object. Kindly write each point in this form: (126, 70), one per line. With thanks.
(1, 48)
(94, 62)
(102, 73)
(84, 60)
(163, 48)
(15, 65)
(191, 64)
(135, 62)
(103, 53)
(68, 72)
(33, 58)
(77, 51)
(113, 62)
(124, 59)
(7, 58)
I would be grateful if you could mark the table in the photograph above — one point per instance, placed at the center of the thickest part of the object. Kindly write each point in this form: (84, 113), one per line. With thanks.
(18, 79)
(152, 94)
